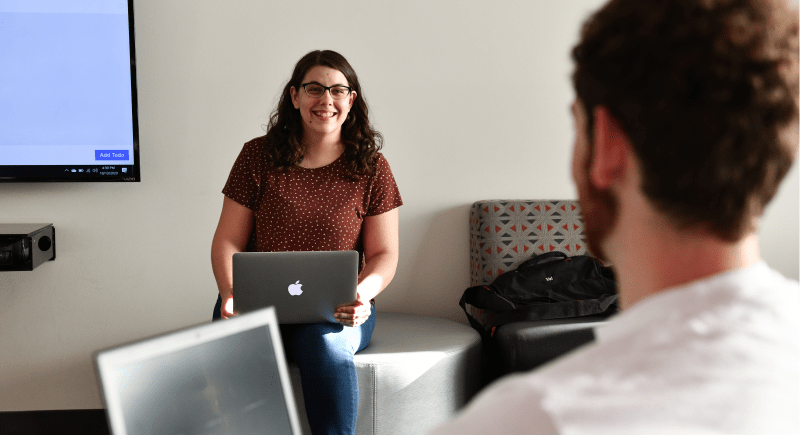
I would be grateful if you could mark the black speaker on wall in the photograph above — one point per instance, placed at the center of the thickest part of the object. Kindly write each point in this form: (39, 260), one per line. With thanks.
(26, 246)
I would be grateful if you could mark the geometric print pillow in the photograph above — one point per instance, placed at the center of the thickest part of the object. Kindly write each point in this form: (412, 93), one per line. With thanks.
(504, 233)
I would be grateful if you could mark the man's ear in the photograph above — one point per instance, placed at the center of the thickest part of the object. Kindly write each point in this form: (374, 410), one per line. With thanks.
(612, 149)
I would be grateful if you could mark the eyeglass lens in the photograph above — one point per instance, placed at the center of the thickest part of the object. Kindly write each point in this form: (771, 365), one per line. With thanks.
(337, 92)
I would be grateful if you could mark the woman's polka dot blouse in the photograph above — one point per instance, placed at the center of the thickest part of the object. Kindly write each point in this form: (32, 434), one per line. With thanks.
(303, 209)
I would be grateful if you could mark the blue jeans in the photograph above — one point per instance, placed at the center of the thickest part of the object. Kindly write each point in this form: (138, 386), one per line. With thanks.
(324, 354)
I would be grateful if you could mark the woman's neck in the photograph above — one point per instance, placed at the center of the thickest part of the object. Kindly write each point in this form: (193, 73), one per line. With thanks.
(322, 151)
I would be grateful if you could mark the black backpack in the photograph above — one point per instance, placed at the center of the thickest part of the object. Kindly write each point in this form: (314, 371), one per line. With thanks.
(547, 286)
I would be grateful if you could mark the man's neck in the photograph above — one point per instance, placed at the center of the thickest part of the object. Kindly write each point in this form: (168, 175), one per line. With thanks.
(650, 262)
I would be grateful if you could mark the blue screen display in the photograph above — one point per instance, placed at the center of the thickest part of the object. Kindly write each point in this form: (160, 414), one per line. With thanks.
(67, 90)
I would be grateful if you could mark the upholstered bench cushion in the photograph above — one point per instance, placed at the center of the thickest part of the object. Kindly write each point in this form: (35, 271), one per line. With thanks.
(416, 373)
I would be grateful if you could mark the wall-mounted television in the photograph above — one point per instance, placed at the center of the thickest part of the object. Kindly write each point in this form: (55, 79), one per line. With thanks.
(68, 106)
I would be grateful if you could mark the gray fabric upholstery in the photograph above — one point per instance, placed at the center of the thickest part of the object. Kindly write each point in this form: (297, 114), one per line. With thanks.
(416, 373)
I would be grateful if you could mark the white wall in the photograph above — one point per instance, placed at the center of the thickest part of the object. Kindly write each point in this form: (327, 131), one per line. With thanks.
(472, 99)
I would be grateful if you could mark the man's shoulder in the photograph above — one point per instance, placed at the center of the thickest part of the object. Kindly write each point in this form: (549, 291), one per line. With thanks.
(727, 297)
(744, 298)
(730, 304)
(706, 344)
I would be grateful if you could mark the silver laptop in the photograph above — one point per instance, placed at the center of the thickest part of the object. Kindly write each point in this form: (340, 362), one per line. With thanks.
(303, 286)
(217, 378)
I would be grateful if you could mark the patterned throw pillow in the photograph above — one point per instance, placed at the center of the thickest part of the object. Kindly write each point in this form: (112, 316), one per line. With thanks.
(504, 233)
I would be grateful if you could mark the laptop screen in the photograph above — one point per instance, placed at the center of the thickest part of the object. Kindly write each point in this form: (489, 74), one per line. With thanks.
(220, 378)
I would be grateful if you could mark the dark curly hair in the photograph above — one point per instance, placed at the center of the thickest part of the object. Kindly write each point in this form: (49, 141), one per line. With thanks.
(284, 147)
(707, 92)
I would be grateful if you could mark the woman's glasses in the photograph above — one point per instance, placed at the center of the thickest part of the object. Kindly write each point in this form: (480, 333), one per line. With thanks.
(315, 90)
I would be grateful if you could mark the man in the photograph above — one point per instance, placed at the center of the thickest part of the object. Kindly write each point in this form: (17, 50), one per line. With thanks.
(686, 121)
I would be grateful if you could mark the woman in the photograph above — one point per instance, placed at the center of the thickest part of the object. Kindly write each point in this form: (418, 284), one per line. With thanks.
(316, 182)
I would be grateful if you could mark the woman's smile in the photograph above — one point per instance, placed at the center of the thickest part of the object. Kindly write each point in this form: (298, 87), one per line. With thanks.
(324, 114)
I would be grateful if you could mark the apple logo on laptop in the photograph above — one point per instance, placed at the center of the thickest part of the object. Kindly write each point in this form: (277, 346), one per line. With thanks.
(294, 289)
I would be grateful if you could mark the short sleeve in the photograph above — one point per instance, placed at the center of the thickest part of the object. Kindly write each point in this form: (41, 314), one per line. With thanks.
(384, 194)
(244, 181)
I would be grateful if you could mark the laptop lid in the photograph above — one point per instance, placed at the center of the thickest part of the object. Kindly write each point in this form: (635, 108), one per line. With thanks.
(303, 286)
(227, 377)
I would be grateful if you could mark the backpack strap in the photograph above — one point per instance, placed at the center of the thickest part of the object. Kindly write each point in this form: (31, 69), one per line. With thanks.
(605, 304)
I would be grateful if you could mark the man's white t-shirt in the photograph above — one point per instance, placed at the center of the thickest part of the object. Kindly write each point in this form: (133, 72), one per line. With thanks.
(717, 356)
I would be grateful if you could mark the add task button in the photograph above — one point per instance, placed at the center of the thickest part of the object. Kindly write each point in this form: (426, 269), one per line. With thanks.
(111, 154)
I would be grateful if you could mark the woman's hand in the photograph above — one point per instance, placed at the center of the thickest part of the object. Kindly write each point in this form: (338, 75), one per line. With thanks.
(226, 309)
(353, 314)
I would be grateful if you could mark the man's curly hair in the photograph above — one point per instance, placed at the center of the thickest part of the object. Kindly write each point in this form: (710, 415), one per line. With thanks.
(707, 92)
(284, 147)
